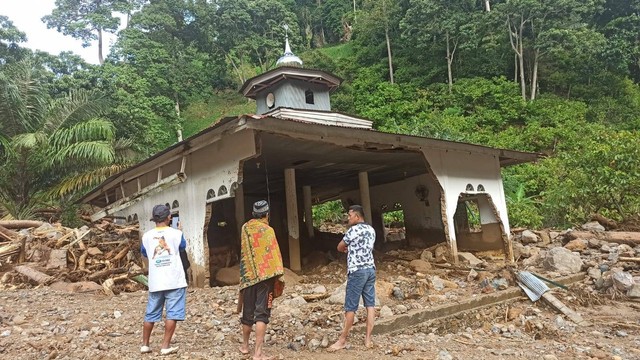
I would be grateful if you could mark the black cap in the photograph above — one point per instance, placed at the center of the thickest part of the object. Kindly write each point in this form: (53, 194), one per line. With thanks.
(160, 213)
(260, 207)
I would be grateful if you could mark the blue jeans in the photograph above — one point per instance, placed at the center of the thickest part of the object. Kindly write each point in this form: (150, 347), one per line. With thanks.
(360, 283)
(175, 301)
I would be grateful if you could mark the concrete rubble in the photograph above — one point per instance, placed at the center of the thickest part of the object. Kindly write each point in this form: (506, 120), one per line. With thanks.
(427, 306)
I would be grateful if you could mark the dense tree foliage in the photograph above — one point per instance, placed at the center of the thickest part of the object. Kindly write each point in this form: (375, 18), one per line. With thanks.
(560, 78)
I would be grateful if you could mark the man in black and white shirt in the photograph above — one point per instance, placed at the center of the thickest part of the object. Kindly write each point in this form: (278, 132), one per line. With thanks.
(358, 243)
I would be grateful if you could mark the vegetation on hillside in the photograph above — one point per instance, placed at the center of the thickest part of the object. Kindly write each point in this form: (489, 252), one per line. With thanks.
(559, 78)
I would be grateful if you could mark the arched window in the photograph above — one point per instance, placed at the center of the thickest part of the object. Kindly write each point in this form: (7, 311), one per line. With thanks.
(234, 187)
(222, 190)
(167, 205)
(129, 218)
(135, 218)
(175, 204)
(308, 96)
(469, 187)
(211, 194)
(480, 187)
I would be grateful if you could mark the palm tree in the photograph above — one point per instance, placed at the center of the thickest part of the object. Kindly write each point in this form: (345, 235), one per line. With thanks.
(50, 147)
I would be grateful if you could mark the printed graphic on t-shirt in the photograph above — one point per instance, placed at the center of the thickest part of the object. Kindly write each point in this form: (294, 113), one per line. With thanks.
(162, 248)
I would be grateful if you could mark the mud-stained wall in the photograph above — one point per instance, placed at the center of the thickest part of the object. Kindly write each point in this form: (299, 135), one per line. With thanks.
(490, 238)
(213, 167)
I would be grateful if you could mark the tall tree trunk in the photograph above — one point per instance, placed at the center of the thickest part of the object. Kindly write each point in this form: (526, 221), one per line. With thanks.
(534, 77)
(235, 68)
(389, 57)
(515, 38)
(177, 106)
(487, 5)
(100, 58)
(354, 12)
(450, 53)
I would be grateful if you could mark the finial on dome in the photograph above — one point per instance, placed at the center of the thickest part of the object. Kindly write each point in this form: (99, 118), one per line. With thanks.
(288, 58)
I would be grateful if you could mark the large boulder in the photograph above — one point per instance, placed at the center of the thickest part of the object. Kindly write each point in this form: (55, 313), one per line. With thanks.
(338, 295)
(562, 261)
(593, 226)
(576, 245)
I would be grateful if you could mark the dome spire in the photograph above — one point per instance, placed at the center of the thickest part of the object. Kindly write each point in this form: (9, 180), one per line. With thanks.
(288, 58)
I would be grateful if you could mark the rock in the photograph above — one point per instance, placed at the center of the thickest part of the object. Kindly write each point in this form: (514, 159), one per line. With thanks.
(529, 237)
(440, 254)
(314, 344)
(593, 225)
(426, 256)
(444, 355)
(398, 293)
(117, 314)
(385, 312)
(219, 337)
(549, 357)
(562, 261)
(325, 341)
(595, 243)
(297, 301)
(545, 236)
(605, 248)
(469, 259)
(594, 273)
(57, 259)
(472, 275)
(320, 289)
(576, 245)
(437, 283)
(420, 266)
(228, 276)
(384, 289)
(401, 309)
(634, 291)
(622, 280)
(626, 250)
(513, 313)
(290, 277)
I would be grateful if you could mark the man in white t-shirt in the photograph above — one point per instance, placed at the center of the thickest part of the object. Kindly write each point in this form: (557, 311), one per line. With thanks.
(167, 283)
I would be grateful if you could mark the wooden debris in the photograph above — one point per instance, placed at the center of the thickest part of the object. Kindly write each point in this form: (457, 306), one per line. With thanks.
(315, 297)
(7, 235)
(629, 259)
(20, 224)
(559, 306)
(619, 237)
(35, 275)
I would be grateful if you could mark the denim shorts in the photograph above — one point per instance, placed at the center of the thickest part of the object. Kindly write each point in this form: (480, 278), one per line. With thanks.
(360, 283)
(175, 301)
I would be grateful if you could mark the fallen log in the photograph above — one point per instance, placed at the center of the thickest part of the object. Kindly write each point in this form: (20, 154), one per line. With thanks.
(629, 259)
(619, 237)
(8, 235)
(35, 275)
(105, 273)
(606, 222)
(20, 224)
(14, 248)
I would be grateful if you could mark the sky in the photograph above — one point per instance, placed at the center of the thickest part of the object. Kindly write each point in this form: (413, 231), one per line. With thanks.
(26, 15)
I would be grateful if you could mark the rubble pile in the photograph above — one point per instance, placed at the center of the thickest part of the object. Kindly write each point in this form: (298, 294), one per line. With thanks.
(103, 258)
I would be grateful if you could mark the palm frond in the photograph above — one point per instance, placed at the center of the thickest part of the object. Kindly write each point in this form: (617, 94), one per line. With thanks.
(85, 180)
(22, 100)
(86, 151)
(94, 129)
(29, 140)
(76, 107)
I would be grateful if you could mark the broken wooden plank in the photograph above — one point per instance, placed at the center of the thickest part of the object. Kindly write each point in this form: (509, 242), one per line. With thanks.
(629, 259)
(8, 235)
(559, 306)
(76, 240)
(619, 237)
(35, 275)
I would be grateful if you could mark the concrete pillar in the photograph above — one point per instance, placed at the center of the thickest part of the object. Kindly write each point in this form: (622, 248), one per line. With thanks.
(365, 200)
(239, 213)
(308, 210)
(292, 219)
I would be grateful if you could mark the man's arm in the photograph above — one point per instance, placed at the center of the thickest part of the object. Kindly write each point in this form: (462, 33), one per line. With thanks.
(342, 246)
